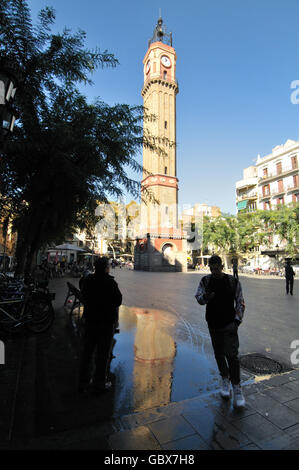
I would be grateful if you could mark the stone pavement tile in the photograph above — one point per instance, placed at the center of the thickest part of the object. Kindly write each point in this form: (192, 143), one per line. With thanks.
(277, 413)
(279, 380)
(216, 431)
(293, 431)
(294, 405)
(140, 438)
(71, 438)
(254, 388)
(293, 386)
(171, 429)
(148, 416)
(258, 429)
(294, 374)
(250, 447)
(281, 394)
(226, 409)
(194, 442)
(285, 442)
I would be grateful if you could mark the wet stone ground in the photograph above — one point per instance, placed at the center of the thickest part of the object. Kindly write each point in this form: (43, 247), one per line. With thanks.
(158, 359)
(163, 372)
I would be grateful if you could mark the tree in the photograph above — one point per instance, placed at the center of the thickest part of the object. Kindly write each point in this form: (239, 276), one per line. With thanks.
(283, 222)
(65, 153)
(243, 233)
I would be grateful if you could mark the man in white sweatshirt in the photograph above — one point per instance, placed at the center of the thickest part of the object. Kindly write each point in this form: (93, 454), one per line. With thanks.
(222, 295)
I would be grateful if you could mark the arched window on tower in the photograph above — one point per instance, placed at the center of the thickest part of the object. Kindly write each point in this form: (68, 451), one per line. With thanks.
(165, 170)
(165, 74)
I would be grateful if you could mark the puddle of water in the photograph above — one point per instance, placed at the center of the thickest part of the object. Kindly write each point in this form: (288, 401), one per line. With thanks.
(155, 363)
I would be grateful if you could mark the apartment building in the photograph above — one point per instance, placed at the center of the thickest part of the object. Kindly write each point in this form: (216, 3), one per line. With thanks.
(246, 190)
(278, 176)
(272, 181)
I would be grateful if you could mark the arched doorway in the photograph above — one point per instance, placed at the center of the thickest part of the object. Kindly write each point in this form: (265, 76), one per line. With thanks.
(168, 252)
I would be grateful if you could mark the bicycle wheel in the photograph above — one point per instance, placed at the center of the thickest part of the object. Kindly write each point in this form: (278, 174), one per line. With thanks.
(40, 316)
(8, 324)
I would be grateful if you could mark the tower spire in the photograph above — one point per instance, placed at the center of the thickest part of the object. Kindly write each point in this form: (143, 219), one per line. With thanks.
(160, 33)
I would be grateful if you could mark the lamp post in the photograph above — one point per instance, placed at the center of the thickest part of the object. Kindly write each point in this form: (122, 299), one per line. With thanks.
(8, 86)
(277, 248)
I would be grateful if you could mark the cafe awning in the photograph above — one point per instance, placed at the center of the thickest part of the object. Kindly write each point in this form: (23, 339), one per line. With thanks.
(242, 204)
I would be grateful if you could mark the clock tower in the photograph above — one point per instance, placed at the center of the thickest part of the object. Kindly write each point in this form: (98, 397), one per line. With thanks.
(160, 245)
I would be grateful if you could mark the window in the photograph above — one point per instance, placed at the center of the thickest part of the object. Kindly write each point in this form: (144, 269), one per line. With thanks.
(265, 172)
(165, 170)
(166, 210)
(267, 206)
(266, 190)
(165, 74)
(295, 197)
(280, 201)
(278, 168)
(165, 124)
(294, 162)
(280, 186)
(296, 181)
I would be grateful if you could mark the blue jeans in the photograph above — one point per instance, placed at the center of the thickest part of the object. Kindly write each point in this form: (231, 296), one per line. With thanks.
(225, 343)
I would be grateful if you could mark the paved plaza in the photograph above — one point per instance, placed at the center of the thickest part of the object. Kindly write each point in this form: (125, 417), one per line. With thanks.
(165, 382)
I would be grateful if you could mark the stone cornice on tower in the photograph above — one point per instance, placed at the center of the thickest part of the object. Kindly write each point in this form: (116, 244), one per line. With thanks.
(160, 81)
(160, 180)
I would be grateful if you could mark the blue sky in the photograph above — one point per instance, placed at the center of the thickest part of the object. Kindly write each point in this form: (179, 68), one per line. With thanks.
(235, 64)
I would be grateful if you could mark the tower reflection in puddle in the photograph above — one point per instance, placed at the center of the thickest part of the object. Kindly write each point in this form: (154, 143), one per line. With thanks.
(154, 352)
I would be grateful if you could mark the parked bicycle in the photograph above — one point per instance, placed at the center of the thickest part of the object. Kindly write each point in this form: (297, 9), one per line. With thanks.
(26, 305)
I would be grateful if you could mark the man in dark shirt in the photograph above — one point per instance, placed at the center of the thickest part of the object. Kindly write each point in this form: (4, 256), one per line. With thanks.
(289, 275)
(222, 295)
(101, 298)
(235, 267)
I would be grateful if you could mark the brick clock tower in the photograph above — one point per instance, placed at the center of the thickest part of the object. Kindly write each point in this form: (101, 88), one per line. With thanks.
(160, 246)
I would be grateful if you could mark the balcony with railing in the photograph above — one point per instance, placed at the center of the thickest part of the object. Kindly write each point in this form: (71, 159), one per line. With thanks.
(274, 175)
(248, 197)
(293, 187)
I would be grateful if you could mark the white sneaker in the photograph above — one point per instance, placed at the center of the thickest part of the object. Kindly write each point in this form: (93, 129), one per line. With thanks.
(239, 400)
(225, 387)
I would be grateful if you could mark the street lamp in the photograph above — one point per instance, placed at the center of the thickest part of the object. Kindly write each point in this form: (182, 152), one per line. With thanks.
(277, 248)
(8, 86)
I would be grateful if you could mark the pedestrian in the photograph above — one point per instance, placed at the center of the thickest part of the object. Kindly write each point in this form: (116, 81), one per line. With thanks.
(235, 267)
(222, 295)
(289, 275)
(101, 299)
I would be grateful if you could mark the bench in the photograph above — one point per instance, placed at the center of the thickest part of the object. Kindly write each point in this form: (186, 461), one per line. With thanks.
(73, 291)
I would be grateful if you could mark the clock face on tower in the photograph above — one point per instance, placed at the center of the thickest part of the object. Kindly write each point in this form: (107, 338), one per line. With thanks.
(148, 66)
(165, 61)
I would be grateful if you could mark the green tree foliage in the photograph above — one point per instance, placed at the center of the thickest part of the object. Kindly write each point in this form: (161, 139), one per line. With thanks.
(65, 153)
(243, 233)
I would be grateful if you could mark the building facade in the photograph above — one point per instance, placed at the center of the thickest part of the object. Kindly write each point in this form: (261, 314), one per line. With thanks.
(160, 245)
(278, 176)
(274, 180)
(246, 190)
